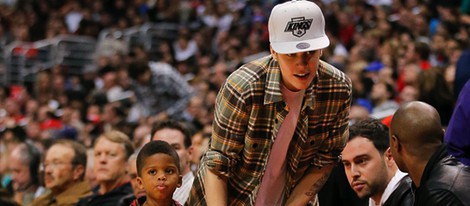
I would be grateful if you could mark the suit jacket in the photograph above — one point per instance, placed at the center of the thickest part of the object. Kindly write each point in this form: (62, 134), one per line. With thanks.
(69, 197)
(111, 198)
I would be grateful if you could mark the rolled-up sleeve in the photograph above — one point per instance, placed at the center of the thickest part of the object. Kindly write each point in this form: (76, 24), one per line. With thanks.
(228, 130)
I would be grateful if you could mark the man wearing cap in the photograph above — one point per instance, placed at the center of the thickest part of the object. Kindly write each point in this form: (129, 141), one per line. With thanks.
(280, 121)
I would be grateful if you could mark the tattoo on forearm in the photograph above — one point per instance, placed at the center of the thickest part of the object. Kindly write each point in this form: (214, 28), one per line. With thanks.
(317, 185)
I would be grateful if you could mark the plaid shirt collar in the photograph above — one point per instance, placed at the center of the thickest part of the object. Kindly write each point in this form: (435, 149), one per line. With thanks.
(273, 87)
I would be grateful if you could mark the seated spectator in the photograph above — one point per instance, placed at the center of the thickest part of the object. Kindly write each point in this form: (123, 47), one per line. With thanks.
(158, 173)
(382, 97)
(185, 48)
(416, 143)
(178, 136)
(408, 94)
(357, 113)
(12, 109)
(132, 172)
(112, 150)
(160, 90)
(24, 164)
(196, 111)
(457, 135)
(200, 144)
(64, 173)
(113, 118)
(434, 91)
(370, 168)
(141, 136)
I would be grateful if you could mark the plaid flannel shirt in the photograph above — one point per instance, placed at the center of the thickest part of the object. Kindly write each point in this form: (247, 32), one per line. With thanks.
(248, 114)
(168, 92)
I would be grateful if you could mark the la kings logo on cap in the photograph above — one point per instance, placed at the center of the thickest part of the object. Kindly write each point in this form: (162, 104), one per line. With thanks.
(298, 26)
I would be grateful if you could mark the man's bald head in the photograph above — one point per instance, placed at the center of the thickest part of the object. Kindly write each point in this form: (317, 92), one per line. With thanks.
(417, 126)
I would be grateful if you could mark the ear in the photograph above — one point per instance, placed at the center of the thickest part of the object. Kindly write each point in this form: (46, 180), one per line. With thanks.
(140, 183)
(180, 181)
(126, 166)
(273, 53)
(388, 157)
(190, 152)
(77, 172)
(395, 143)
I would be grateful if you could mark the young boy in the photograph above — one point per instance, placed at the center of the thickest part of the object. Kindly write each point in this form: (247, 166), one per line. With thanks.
(159, 174)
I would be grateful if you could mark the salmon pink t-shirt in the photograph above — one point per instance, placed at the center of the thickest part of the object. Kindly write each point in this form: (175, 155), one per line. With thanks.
(271, 191)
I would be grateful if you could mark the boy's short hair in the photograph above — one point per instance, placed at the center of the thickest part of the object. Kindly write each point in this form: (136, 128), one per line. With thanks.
(156, 147)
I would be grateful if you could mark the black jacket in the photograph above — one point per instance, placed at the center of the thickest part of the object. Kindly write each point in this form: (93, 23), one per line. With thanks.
(402, 195)
(445, 181)
(111, 198)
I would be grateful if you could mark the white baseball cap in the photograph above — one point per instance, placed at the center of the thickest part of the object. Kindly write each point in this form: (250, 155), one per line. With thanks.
(297, 26)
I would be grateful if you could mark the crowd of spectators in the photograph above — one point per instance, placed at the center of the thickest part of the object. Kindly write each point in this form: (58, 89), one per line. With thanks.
(394, 51)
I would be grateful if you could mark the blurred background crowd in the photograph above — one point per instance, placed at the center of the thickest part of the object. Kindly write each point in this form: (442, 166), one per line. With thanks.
(152, 60)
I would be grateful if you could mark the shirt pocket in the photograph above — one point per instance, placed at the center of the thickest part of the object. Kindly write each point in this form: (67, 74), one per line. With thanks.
(313, 144)
(255, 154)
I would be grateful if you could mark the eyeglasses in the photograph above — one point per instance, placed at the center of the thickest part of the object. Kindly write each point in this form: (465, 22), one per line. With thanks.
(54, 164)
